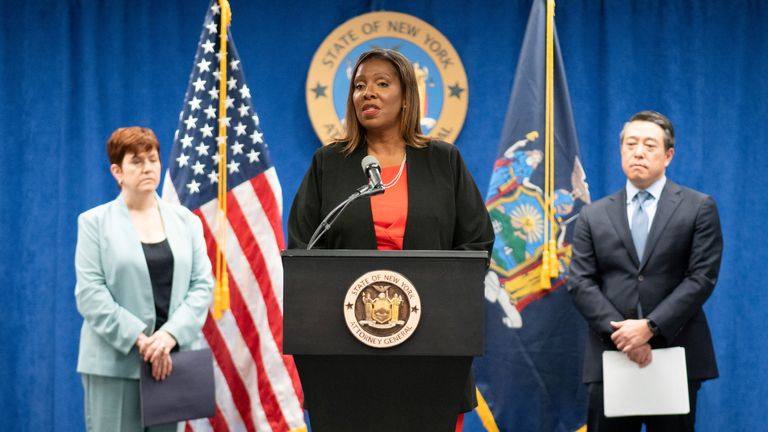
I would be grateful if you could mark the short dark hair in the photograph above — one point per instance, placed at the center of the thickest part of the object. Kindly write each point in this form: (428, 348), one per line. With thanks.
(658, 119)
(133, 139)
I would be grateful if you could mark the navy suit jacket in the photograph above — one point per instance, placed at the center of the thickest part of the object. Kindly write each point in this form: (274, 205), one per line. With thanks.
(670, 282)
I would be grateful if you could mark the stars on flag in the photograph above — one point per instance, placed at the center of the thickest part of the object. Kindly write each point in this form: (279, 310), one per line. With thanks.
(208, 45)
(191, 122)
(207, 131)
(210, 112)
(194, 103)
(196, 171)
(193, 180)
(256, 137)
(193, 186)
(199, 84)
(245, 92)
(186, 141)
(198, 168)
(203, 65)
(253, 156)
(202, 149)
(233, 166)
(182, 160)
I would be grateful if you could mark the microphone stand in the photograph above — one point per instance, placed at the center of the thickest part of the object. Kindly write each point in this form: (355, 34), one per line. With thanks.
(330, 218)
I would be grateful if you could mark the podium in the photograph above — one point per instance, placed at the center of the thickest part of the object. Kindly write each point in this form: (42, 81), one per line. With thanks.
(422, 380)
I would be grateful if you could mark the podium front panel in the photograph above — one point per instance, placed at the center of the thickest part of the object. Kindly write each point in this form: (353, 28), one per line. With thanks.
(449, 284)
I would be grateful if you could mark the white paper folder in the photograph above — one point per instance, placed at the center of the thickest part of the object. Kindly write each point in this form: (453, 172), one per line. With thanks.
(657, 389)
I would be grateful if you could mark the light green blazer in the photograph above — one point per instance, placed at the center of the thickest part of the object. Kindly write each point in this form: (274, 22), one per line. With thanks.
(114, 292)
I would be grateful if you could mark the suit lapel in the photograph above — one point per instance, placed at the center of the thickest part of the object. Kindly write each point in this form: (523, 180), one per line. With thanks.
(414, 194)
(127, 237)
(617, 212)
(175, 236)
(668, 201)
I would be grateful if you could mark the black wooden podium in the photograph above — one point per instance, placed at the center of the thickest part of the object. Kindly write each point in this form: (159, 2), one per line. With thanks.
(421, 384)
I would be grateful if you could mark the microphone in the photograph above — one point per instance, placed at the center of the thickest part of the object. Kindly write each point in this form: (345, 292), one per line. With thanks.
(372, 170)
(375, 186)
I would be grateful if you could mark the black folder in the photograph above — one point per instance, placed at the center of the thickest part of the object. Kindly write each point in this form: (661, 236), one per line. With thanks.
(188, 392)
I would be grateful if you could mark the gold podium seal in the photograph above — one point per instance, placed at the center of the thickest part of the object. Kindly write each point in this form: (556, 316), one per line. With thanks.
(382, 309)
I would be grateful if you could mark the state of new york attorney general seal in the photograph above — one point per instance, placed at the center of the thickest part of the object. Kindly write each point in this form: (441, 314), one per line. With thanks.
(442, 81)
(382, 309)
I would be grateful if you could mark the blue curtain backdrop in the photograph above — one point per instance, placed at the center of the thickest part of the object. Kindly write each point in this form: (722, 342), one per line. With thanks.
(72, 71)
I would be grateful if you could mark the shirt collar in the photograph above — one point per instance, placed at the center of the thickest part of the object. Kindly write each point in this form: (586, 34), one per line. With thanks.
(654, 189)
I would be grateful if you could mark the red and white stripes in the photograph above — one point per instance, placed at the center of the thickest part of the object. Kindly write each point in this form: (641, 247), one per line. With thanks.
(258, 388)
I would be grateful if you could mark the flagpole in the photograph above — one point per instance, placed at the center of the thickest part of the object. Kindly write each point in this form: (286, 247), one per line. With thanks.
(221, 293)
(549, 264)
(553, 261)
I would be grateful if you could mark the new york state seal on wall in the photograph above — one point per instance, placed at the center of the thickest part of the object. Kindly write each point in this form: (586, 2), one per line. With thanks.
(442, 80)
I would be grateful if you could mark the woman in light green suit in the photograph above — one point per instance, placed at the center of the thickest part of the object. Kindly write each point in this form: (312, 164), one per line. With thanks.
(143, 285)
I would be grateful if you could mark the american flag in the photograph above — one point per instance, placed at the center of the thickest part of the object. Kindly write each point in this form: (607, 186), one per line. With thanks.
(257, 388)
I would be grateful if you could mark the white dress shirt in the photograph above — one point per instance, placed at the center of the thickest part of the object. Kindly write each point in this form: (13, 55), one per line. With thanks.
(650, 204)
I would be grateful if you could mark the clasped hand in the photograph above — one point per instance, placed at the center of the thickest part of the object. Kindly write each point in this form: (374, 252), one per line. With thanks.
(156, 349)
(631, 337)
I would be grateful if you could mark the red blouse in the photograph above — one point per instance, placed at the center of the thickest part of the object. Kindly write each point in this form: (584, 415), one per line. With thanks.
(390, 210)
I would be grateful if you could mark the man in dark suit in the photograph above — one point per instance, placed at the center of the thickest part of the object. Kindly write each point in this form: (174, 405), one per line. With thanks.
(645, 260)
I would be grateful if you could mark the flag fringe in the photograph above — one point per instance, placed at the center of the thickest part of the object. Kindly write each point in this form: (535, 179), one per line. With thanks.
(486, 417)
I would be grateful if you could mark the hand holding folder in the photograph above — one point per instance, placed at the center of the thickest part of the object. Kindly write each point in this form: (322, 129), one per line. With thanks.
(188, 392)
(661, 388)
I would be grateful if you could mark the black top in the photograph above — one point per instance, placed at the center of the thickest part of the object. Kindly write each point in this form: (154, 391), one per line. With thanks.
(160, 264)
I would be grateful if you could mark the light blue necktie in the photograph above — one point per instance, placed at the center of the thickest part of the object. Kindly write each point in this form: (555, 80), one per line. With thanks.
(640, 223)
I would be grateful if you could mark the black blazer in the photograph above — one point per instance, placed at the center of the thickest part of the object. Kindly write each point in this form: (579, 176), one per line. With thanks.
(671, 282)
(445, 211)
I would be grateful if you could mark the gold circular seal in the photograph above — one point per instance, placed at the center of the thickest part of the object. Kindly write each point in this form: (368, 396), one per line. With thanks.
(382, 309)
(443, 87)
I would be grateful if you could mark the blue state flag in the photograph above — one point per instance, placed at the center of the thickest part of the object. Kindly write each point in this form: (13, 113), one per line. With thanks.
(530, 375)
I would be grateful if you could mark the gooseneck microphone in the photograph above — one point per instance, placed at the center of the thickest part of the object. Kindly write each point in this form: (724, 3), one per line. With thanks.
(375, 186)
(372, 169)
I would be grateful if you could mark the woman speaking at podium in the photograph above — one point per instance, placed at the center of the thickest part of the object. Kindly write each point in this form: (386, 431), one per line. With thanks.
(430, 201)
